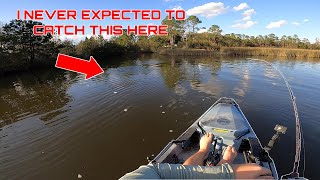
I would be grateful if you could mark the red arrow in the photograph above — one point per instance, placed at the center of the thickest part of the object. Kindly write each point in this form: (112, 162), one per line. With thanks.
(90, 68)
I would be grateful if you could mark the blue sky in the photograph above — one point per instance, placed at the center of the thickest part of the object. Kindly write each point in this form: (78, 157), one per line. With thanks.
(252, 17)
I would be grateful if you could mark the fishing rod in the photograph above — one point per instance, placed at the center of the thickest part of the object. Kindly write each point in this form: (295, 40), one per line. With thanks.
(295, 171)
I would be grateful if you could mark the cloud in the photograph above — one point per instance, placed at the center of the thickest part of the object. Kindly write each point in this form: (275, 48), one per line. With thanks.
(211, 9)
(306, 20)
(74, 38)
(107, 36)
(177, 8)
(241, 7)
(296, 23)
(247, 14)
(276, 24)
(202, 31)
(244, 25)
(77, 38)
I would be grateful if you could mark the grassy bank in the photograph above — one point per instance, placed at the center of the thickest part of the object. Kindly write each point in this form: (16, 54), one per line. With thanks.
(188, 52)
(9, 64)
(281, 52)
(244, 51)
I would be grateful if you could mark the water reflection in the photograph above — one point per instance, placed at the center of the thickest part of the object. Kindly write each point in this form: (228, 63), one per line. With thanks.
(271, 73)
(242, 88)
(76, 123)
(33, 94)
(212, 87)
(172, 73)
(205, 79)
(200, 73)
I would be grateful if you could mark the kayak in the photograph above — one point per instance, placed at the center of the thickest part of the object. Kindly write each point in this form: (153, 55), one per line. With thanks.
(230, 127)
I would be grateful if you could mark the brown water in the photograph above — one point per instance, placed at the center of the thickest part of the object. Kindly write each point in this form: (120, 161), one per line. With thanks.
(56, 125)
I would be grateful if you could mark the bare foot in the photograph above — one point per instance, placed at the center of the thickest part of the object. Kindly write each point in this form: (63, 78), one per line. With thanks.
(198, 158)
(205, 142)
(229, 155)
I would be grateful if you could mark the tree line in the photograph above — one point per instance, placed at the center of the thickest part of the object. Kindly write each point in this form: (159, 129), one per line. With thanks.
(19, 48)
(186, 35)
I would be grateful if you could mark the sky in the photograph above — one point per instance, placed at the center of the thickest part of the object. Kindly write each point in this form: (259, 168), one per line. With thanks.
(251, 17)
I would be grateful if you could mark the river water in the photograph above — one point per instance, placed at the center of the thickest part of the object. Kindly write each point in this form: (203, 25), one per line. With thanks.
(56, 125)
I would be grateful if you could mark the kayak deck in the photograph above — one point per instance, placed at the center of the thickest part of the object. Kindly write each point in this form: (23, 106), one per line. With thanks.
(229, 125)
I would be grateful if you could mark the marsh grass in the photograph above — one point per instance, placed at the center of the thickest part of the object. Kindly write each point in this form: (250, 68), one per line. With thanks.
(244, 51)
(277, 52)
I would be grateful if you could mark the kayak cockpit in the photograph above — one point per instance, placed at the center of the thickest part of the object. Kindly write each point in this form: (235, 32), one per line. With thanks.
(229, 125)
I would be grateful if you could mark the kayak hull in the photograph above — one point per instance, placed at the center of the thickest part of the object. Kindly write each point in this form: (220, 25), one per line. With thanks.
(231, 128)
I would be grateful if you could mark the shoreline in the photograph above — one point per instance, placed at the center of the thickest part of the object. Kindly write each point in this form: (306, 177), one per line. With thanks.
(243, 52)
(223, 52)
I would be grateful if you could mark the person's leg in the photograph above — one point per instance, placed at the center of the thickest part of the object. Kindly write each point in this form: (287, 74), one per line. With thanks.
(229, 155)
(199, 157)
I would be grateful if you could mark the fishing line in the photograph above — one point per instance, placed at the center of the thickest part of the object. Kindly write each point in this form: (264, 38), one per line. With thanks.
(295, 170)
(304, 154)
